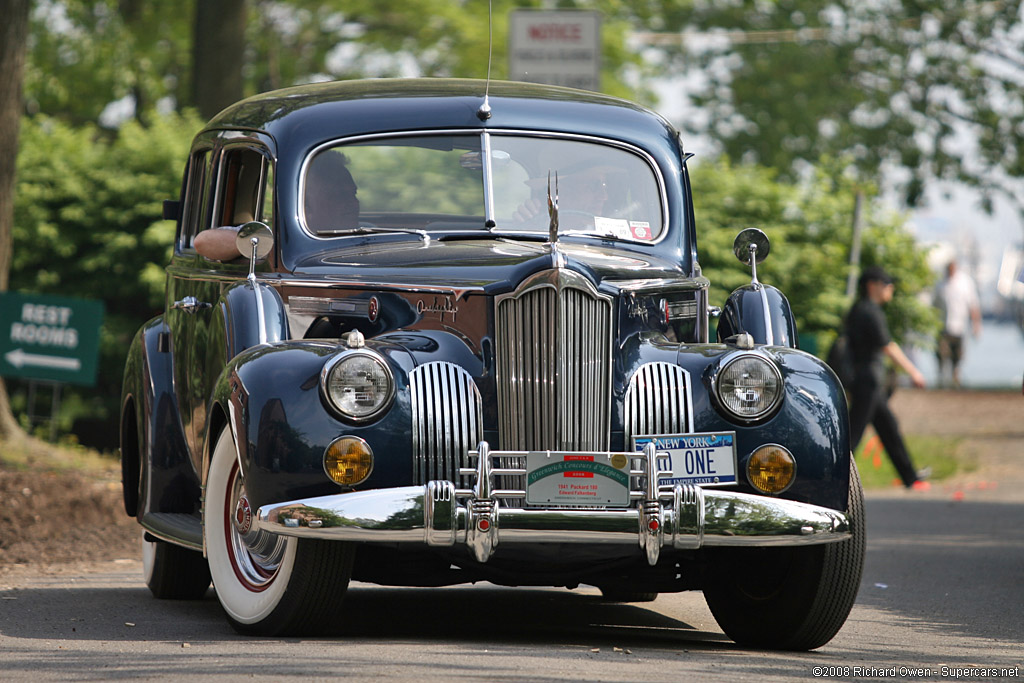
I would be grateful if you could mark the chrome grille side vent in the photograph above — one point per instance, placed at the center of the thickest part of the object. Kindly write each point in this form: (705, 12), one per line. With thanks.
(658, 401)
(553, 352)
(447, 420)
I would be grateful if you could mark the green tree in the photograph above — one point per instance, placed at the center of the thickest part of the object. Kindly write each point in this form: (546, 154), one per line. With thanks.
(87, 221)
(88, 54)
(218, 46)
(13, 47)
(896, 85)
(808, 224)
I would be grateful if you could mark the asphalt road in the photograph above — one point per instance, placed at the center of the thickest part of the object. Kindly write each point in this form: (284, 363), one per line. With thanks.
(943, 587)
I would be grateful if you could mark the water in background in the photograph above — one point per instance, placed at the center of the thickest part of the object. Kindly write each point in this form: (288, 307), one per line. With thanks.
(994, 360)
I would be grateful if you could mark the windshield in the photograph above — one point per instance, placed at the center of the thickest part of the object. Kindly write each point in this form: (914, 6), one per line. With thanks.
(439, 182)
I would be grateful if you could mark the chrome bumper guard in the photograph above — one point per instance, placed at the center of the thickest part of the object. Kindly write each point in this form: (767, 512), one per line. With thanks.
(683, 516)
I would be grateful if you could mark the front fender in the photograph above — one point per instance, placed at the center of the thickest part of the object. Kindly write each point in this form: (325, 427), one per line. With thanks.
(270, 397)
(811, 421)
(763, 312)
(248, 320)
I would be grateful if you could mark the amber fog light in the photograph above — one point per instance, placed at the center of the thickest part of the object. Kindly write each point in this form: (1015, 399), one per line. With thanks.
(771, 469)
(348, 460)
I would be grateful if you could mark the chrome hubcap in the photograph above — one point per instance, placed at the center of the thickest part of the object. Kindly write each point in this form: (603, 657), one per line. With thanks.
(257, 554)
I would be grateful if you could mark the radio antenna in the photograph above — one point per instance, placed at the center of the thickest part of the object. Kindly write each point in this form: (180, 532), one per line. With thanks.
(484, 112)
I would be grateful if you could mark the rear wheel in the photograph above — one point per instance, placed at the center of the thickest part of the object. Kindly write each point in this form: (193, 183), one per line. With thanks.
(266, 583)
(173, 572)
(789, 598)
(619, 595)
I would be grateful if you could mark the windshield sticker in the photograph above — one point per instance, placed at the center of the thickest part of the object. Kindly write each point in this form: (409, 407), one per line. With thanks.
(613, 227)
(641, 230)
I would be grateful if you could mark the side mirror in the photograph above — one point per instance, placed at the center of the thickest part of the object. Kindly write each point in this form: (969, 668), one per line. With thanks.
(172, 210)
(255, 240)
(751, 248)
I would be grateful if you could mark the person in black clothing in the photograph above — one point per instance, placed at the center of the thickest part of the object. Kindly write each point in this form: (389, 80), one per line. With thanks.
(869, 341)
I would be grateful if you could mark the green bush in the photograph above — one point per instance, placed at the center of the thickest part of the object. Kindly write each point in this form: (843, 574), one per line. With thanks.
(811, 230)
(87, 223)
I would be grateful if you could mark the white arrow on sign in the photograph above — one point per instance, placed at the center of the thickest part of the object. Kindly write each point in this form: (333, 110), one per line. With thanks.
(18, 358)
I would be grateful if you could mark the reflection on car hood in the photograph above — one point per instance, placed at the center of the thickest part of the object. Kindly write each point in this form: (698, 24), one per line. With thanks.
(496, 265)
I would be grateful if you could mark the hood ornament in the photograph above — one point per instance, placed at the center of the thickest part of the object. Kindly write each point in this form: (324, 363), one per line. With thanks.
(553, 210)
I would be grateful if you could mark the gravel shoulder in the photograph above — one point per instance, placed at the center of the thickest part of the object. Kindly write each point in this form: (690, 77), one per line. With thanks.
(989, 426)
(56, 521)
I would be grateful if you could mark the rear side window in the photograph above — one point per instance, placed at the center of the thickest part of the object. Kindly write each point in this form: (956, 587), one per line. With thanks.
(194, 218)
(243, 187)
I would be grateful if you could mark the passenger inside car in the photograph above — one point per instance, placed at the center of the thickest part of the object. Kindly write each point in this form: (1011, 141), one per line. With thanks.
(330, 201)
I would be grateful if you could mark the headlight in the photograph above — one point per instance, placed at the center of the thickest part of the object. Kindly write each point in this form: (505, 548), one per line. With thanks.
(358, 384)
(749, 387)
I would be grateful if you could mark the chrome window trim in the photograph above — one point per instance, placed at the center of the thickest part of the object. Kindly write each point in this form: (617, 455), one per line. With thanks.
(485, 135)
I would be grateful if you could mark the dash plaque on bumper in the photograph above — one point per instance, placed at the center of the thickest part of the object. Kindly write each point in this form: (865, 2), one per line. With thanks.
(565, 478)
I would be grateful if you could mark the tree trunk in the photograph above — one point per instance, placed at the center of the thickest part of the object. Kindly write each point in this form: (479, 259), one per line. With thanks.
(13, 45)
(218, 46)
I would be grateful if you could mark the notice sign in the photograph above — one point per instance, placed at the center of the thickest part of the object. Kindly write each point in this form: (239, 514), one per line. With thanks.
(49, 338)
(555, 47)
(577, 478)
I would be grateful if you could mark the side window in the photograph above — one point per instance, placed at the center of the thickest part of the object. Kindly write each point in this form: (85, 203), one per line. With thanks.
(243, 194)
(195, 216)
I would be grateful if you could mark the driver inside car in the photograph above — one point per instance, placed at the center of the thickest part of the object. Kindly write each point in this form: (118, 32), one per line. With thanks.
(582, 192)
(330, 203)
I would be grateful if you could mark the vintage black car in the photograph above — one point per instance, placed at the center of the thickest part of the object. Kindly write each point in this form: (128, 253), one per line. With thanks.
(462, 334)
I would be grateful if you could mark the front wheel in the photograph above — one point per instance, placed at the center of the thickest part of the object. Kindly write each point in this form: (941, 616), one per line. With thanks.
(789, 598)
(266, 583)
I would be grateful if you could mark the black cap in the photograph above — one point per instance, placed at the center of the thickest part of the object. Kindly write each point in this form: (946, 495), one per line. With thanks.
(875, 274)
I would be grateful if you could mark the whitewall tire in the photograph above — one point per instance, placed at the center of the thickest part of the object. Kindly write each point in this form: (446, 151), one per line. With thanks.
(267, 584)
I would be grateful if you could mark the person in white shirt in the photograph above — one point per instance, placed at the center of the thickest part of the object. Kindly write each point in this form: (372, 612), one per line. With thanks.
(957, 300)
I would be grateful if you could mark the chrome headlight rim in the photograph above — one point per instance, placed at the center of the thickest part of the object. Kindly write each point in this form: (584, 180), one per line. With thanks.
(332, 365)
(724, 407)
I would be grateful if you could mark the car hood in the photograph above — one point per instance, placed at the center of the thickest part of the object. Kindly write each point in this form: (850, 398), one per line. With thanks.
(493, 265)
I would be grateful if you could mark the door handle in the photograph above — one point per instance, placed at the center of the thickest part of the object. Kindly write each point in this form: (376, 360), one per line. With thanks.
(191, 305)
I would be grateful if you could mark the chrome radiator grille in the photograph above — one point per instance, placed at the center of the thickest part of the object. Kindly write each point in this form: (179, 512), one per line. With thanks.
(658, 401)
(447, 421)
(553, 350)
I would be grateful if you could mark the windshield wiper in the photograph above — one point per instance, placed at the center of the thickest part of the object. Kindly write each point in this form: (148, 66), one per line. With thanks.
(372, 229)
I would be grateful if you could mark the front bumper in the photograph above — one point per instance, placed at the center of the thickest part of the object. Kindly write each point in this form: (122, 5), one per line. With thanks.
(685, 517)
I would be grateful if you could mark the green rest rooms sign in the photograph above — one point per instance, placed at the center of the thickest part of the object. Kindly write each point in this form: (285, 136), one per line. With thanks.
(49, 337)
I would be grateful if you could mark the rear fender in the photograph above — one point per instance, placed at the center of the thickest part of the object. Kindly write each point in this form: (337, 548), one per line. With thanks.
(157, 475)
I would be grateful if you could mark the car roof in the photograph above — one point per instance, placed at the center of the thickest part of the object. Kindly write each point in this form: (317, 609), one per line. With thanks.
(295, 116)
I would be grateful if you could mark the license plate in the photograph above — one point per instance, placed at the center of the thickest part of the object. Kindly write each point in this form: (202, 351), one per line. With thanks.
(708, 459)
(565, 478)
